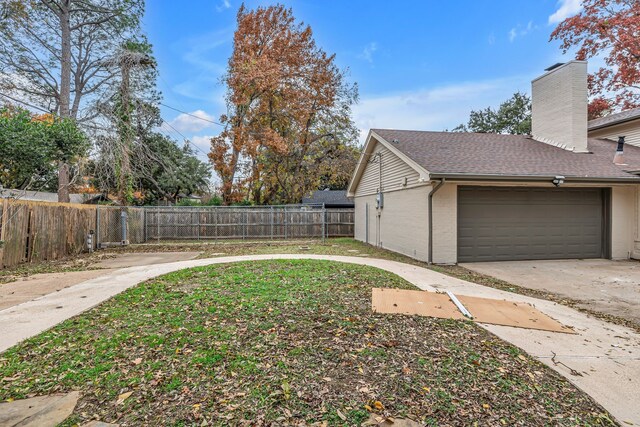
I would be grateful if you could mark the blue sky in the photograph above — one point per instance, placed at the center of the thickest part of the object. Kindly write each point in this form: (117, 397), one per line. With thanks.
(419, 64)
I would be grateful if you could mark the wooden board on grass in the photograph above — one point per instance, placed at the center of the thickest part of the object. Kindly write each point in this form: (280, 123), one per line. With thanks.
(483, 310)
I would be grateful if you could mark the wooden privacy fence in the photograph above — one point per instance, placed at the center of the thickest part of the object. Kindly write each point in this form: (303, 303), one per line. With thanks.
(39, 231)
(36, 231)
(251, 222)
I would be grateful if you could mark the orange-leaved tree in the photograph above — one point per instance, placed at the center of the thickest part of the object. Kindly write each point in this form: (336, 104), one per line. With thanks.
(289, 112)
(610, 28)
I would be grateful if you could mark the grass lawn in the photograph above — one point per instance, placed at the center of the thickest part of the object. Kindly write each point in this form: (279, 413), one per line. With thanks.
(287, 342)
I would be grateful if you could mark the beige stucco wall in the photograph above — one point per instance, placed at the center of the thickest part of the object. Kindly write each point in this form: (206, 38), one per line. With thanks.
(400, 226)
(623, 221)
(630, 130)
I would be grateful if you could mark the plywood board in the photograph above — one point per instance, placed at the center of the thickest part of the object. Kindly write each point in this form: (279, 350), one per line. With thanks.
(414, 302)
(511, 313)
(484, 310)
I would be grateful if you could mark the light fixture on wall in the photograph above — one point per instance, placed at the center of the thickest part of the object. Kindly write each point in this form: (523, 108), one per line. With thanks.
(558, 180)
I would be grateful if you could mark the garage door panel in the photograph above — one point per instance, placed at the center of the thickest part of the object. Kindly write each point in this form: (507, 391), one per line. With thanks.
(529, 223)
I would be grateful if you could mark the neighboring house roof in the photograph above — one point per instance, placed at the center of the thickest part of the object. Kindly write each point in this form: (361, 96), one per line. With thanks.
(511, 157)
(41, 196)
(328, 198)
(614, 119)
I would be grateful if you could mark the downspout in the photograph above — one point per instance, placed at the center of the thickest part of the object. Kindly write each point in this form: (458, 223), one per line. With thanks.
(433, 191)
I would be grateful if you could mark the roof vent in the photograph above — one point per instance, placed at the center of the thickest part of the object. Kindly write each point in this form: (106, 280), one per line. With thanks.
(554, 66)
(395, 141)
(618, 159)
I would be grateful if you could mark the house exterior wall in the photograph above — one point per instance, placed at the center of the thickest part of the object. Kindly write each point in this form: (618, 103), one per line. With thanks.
(559, 106)
(630, 130)
(401, 225)
(635, 252)
(394, 172)
(624, 221)
(445, 225)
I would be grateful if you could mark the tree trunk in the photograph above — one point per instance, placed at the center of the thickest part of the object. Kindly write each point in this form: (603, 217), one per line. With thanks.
(63, 182)
(124, 179)
(65, 92)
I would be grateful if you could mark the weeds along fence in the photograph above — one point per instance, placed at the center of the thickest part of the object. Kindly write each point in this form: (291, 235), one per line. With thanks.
(38, 231)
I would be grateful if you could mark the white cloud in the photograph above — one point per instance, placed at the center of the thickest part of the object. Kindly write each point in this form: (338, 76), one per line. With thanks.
(202, 142)
(520, 31)
(513, 34)
(223, 6)
(368, 51)
(435, 108)
(189, 123)
(566, 9)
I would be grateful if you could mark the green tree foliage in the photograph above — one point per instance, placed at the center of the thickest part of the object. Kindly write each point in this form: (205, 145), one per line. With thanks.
(176, 171)
(512, 117)
(32, 145)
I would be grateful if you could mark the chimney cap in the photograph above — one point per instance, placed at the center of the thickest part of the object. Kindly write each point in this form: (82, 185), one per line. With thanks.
(554, 66)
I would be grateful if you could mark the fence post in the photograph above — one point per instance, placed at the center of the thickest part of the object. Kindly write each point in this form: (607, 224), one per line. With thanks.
(97, 226)
(123, 225)
(144, 224)
(244, 223)
(272, 219)
(324, 221)
(215, 210)
(285, 223)
(3, 229)
(198, 213)
(158, 223)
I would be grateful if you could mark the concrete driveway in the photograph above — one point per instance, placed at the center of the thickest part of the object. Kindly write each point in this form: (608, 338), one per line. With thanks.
(603, 359)
(611, 287)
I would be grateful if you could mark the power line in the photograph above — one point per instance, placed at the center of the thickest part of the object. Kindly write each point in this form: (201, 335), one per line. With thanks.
(186, 140)
(191, 115)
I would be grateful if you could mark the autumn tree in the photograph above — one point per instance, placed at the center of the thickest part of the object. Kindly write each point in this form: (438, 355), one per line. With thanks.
(610, 28)
(52, 55)
(289, 112)
(512, 117)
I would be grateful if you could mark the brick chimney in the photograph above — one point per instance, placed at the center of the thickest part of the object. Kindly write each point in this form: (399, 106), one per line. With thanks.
(559, 106)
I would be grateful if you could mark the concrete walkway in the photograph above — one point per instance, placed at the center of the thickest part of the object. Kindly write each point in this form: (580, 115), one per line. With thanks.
(607, 356)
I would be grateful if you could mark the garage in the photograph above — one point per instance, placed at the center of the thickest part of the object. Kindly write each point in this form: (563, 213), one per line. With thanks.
(519, 223)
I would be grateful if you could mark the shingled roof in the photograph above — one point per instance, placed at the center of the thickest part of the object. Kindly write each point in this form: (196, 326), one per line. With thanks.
(330, 198)
(484, 154)
(614, 119)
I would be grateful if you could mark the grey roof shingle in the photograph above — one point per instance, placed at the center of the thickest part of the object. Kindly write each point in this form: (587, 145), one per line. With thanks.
(509, 155)
(328, 197)
(41, 196)
(614, 119)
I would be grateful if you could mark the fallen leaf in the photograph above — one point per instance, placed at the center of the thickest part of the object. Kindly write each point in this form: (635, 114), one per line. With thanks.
(341, 415)
(137, 361)
(123, 397)
(378, 405)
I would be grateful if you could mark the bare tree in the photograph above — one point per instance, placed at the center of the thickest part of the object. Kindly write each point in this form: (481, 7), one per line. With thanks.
(52, 55)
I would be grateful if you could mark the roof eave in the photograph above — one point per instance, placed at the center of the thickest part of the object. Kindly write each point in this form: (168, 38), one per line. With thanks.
(614, 123)
(366, 151)
(533, 178)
